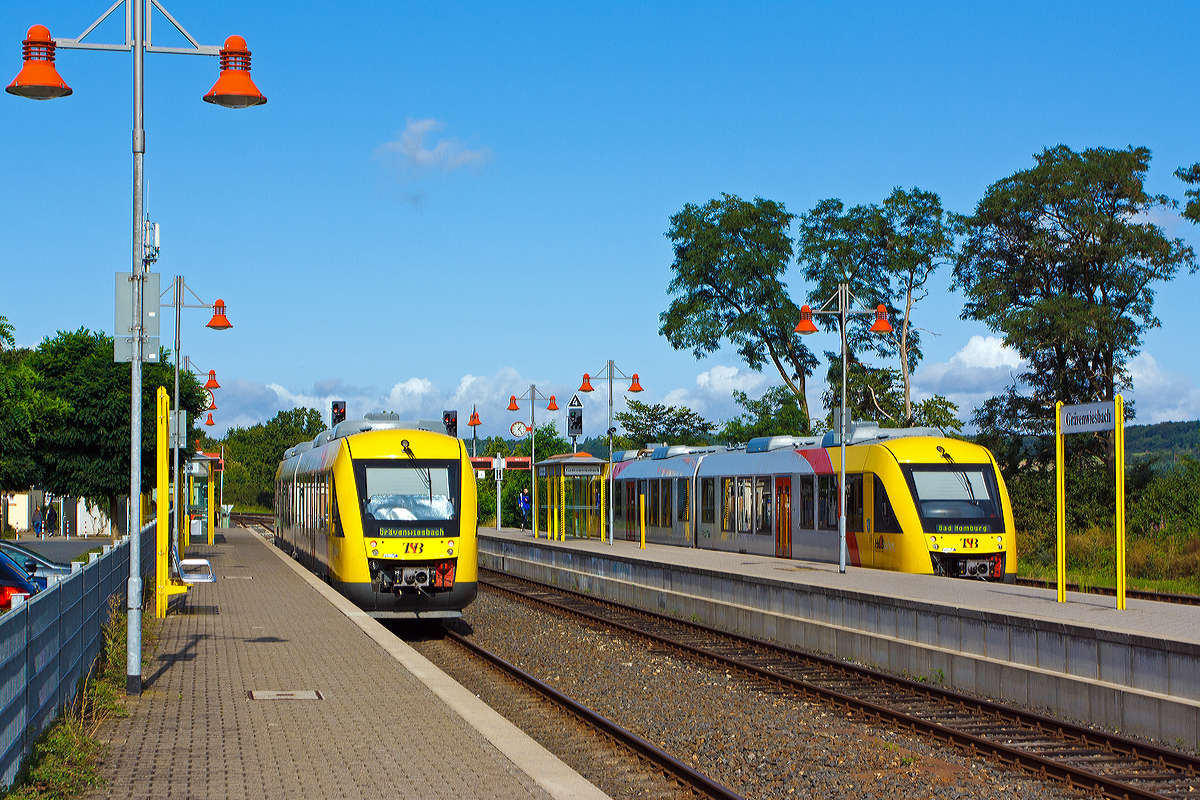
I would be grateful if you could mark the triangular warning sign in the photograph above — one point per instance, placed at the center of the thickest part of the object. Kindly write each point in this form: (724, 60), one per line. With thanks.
(575, 402)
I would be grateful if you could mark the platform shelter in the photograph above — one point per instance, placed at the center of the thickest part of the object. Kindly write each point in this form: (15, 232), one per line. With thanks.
(575, 495)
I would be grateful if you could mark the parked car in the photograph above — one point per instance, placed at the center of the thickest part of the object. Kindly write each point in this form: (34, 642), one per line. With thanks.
(41, 570)
(14, 582)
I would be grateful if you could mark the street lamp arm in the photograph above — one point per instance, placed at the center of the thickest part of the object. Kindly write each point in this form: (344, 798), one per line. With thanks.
(196, 49)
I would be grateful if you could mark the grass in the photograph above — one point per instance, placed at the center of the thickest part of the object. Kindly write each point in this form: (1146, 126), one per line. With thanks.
(66, 756)
(1168, 563)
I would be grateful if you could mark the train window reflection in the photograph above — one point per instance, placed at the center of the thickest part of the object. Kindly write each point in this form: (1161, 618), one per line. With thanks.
(961, 493)
(762, 502)
(806, 503)
(409, 493)
(708, 499)
(728, 503)
(827, 503)
(745, 510)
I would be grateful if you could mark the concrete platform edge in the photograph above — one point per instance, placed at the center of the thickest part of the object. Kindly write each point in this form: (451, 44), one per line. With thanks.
(555, 777)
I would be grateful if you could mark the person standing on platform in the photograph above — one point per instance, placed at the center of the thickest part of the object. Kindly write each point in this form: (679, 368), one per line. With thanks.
(37, 520)
(523, 507)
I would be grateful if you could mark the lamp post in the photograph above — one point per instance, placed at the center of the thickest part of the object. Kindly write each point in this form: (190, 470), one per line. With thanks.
(474, 424)
(532, 396)
(844, 299)
(39, 80)
(610, 370)
(218, 322)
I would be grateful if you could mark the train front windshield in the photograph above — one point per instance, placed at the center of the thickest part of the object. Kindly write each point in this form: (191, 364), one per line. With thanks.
(408, 492)
(956, 498)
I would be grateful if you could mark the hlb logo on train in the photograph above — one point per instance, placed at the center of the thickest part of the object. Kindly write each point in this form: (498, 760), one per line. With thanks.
(412, 548)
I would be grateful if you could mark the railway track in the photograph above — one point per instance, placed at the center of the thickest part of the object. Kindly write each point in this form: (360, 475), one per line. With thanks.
(597, 747)
(1093, 761)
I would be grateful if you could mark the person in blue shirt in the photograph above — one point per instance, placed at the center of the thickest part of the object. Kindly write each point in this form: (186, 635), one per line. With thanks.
(523, 507)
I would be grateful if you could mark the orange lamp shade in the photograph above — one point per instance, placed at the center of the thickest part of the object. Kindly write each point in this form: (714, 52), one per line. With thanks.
(474, 419)
(233, 88)
(512, 403)
(212, 380)
(635, 386)
(805, 325)
(553, 405)
(881, 321)
(587, 383)
(212, 406)
(219, 321)
(38, 79)
(208, 421)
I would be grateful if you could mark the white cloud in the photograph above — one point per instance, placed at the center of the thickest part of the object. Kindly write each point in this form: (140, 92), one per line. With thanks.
(1162, 396)
(712, 394)
(985, 366)
(409, 153)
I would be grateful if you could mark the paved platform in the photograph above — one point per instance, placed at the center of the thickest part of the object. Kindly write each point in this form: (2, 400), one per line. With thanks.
(387, 724)
(1136, 670)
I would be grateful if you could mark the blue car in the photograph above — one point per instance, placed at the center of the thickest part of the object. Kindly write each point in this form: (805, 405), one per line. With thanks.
(13, 582)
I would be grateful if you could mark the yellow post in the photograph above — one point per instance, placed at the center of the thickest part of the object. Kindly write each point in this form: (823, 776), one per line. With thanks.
(603, 504)
(1060, 493)
(1119, 435)
(211, 499)
(642, 506)
(162, 539)
(534, 499)
(562, 505)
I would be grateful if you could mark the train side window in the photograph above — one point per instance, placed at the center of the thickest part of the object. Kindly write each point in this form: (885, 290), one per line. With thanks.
(885, 515)
(745, 505)
(666, 502)
(728, 504)
(683, 494)
(854, 502)
(807, 501)
(652, 504)
(827, 503)
(708, 500)
(762, 502)
(617, 498)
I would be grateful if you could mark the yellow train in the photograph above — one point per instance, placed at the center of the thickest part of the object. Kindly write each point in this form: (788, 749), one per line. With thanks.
(915, 501)
(385, 512)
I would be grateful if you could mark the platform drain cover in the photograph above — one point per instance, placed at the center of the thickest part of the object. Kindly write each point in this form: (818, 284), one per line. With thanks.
(270, 694)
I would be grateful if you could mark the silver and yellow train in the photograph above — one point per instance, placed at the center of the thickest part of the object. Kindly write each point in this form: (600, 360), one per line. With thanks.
(916, 501)
(385, 512)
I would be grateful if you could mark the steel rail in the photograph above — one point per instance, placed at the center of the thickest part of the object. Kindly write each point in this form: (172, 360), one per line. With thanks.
(977, 745)
(1108, 591)
(664, 760)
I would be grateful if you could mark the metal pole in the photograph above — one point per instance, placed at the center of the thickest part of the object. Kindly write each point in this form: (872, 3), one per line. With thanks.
(610, 461)
(532, 457)
(133, 656)
(178, 419)
(843, 289)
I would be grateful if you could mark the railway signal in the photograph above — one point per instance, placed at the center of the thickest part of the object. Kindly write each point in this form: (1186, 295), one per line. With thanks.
(450, 420)
(337, 413)
(574, 422)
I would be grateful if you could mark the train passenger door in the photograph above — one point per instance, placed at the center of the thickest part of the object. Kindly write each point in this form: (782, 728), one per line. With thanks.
(783, 517)
(630, 510)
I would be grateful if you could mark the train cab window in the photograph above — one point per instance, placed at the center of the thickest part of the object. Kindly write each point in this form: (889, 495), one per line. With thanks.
(952, 496)
(885, 515)
(762, 505)
(745, 509)
(827, 503)
(854, 502)
(652, 505)
(337, 518)
(728, 504)
(666, 503)
(708, 500)
(807, 519)
(683, 496)
(408, 493)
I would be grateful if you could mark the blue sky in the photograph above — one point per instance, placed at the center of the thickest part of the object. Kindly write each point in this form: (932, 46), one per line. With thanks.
(443, 203)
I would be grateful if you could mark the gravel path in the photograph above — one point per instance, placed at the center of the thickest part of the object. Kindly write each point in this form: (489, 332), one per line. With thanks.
(752, 738)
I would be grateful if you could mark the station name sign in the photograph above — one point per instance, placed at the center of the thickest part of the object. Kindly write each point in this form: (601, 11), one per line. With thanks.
(1089, 417)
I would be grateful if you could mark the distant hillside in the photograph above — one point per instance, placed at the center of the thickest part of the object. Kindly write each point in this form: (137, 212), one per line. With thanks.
(1164, 438)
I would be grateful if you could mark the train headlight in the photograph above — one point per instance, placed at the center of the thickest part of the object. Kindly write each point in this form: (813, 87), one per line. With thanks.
(933, 541)
(1000, 542)
(374, 552)
(374, 544)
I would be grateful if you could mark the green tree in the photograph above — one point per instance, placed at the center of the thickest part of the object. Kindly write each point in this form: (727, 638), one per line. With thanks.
(1191, 175)
(730, 258)
(1063, 260)
(86, 451)
(878, 393)
(26, 412)
(645, 423)
(252, 455)
(777, 413)
(7, 336)
(886, 254)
